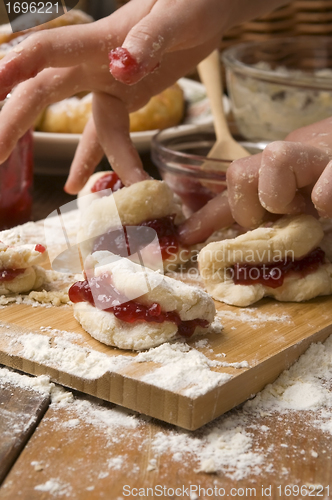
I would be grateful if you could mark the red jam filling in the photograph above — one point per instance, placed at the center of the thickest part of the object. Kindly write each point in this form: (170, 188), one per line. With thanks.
(109, 299)
(116, 241)
(107, 181)
(40, 248)
(273, 275)
(167, 234)
(122, 64)
(10, 274)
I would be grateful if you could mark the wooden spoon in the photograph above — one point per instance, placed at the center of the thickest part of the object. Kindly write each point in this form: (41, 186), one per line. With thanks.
(226, 147)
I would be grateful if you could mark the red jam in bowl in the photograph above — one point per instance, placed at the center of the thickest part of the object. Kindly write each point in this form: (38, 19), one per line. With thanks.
(273, 275)
(109, 299)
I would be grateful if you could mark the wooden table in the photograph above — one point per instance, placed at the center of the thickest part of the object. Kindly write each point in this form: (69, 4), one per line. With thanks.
(83, 448)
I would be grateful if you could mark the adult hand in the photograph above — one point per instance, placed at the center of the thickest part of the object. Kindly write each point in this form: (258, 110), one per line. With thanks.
(288, 177)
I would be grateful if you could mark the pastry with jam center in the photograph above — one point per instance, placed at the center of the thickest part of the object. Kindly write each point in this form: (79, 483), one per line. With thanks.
(108, 222)
(20, 269)
(125, 305)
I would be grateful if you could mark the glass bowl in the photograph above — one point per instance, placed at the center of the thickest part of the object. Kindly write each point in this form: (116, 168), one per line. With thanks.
(279, 85)
(182, 162)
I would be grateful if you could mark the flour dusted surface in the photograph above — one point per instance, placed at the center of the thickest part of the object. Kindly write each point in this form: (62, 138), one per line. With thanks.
(232, 448)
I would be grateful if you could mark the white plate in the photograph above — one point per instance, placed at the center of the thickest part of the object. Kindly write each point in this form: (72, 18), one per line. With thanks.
(54, 152)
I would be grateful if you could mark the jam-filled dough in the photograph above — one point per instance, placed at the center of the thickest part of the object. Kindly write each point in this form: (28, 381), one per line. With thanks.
(20, 269)
(290, 238)
(188, 302)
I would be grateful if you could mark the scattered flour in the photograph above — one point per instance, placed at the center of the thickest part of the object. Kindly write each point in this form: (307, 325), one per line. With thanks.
(40, 384)
(226, 446)
(116, 463)
(55, 487)
(305, 386)
(57, 352)
(253, 317)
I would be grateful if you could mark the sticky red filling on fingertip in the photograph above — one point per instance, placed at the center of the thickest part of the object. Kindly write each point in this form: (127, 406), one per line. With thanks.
(123, 65)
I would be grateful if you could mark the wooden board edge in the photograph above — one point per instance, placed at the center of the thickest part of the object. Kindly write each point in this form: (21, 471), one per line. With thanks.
(224, 401)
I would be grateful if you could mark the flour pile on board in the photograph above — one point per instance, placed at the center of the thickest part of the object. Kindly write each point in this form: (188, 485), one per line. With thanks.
(305, 386)
(253, 317)
(182, 369)
(60, 353)
(39, 384)
(55, 487)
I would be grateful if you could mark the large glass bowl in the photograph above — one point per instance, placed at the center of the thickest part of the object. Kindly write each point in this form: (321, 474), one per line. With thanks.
(182, 162)
(279, 85)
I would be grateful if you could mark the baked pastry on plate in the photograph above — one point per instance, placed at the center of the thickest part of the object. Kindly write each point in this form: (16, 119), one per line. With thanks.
(131, 307)
(19, 268)
(281, 260)
(71, 115)
(107, 223)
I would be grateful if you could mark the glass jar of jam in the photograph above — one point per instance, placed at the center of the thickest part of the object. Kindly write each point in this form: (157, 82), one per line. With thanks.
(16, 180)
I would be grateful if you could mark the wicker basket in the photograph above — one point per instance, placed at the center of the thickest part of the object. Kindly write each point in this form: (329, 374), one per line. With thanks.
(298, 18)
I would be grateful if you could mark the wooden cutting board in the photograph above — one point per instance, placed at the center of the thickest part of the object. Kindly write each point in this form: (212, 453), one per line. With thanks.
(269, 337)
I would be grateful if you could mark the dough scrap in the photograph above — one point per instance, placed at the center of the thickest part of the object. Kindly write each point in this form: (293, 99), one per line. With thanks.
(19, 257)
(292, 237)
(130, 206)
(130, 279)
(33, 277)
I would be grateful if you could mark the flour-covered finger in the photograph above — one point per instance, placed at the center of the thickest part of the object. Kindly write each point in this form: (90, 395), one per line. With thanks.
(285, 168)
(216, 214)
(88, 155)
(322, 192)
(111, 119)
(242, 182)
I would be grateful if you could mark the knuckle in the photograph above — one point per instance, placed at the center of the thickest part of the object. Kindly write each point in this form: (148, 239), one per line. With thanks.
(236, 174)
